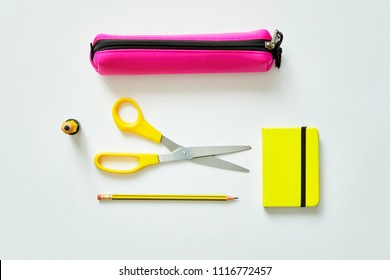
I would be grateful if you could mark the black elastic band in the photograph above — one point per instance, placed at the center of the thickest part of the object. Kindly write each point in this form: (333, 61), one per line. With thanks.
(303, 166)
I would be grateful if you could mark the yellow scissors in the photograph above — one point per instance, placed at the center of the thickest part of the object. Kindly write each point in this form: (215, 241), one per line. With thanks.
(201, 155)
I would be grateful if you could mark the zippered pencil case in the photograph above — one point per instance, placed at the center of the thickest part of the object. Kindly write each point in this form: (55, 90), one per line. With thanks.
(253, 51)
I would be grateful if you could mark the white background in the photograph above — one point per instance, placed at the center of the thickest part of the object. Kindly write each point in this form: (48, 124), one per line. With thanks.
(334, 76)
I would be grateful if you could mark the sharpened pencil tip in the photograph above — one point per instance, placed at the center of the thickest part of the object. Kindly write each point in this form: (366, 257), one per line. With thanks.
(236, 197)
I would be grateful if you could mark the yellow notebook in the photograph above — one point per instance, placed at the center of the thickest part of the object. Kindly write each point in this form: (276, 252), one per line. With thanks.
(290, 167)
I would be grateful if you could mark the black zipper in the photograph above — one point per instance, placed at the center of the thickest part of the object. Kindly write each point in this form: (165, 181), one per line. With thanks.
(114, 44)
(246, 45)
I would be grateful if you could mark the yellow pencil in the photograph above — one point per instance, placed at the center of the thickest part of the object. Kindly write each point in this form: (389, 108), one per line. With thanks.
(217, 197)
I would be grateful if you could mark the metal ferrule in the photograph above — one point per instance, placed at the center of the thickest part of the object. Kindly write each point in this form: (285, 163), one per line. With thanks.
(106, 197)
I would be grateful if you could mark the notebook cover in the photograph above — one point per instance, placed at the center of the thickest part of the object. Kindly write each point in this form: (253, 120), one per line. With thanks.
(290, 167)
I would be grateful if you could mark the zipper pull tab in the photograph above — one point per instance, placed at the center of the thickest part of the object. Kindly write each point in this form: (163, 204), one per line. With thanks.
(274, 46)
(278, 36)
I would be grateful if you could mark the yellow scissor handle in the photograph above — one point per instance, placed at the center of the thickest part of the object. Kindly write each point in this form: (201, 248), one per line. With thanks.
(144, 160)
(140, 126)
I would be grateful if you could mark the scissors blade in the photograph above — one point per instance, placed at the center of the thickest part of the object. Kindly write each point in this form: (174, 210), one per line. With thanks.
(205, 160)
(169, 143)
(197, 152)
(219, 163)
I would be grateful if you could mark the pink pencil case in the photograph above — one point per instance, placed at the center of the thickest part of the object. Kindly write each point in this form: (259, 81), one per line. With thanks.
(253, 51)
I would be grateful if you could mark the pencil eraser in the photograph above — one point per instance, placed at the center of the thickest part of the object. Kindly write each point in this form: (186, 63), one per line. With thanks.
(99, 196)
(290, 167)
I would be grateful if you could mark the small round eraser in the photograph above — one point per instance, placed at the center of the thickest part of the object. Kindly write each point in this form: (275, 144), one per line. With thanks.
(99, 196)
